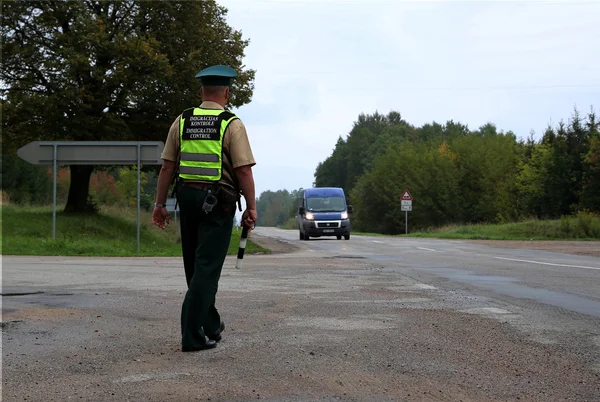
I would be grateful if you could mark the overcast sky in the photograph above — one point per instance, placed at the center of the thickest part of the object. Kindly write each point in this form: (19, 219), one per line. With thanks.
(520, 65)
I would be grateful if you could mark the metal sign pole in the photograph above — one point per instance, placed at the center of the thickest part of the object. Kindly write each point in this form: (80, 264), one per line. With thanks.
(406, 222)
(54, 192)
(138, 195)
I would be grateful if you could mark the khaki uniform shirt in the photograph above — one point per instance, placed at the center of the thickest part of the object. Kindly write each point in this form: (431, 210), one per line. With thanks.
(235, 142)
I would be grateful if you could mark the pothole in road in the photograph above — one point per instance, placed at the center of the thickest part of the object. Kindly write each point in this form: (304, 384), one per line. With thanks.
(7, 324)
(19, 293)
(7, 294)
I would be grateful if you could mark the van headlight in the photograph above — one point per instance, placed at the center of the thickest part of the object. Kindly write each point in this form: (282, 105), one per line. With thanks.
(344, 215)
(310, 216)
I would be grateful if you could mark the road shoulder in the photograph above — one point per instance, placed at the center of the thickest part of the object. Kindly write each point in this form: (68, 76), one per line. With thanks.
(275, 245)
(585, 248)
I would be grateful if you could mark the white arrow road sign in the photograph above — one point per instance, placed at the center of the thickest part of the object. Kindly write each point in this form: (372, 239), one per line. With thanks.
(93, 153)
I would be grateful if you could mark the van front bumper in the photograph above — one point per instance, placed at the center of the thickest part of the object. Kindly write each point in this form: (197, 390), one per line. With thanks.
(327, 228)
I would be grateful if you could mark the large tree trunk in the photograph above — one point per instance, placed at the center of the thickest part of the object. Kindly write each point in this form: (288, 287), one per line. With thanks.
(79, 189)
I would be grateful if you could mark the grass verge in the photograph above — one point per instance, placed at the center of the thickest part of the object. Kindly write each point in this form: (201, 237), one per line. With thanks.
(110, 233)
(583, 226)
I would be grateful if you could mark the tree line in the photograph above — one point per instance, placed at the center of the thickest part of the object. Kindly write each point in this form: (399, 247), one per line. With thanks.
(27, 184)
(459, 175)
(277, 208)
(455, 175)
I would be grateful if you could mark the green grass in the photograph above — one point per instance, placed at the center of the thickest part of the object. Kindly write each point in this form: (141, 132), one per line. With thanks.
(110, 233)
(583, 226)
(580, 227)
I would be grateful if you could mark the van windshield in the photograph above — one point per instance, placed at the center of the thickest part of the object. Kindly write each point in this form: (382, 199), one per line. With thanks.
(326, 204)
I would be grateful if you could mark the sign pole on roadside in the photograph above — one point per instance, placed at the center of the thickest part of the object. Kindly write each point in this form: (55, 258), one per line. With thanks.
(139, 182)
(93, 153)
(406, 199)
(54, 173)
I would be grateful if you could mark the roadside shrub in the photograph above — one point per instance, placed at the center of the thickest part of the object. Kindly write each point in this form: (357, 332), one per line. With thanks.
(291, 223)
(584, 224)
(589, 223)
(5, 200)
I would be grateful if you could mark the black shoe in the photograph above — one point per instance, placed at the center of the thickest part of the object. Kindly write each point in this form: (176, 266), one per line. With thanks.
(208, 345)
(217, 335)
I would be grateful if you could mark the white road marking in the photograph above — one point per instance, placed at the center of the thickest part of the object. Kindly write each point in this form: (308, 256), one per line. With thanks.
(424, 286)
(387, 301)
(150, 377)
(547, 263)
(487, 310)
(428, 249)
(376, 241)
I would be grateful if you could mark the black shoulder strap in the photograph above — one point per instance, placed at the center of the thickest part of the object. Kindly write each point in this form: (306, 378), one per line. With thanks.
(187, 113)
(226, 115)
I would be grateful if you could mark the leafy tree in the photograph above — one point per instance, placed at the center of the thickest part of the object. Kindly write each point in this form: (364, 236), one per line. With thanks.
(272, 207)
(560, 175)
(275, 208)
(108, 70)
(332, 172)
(590, 186)
(127, 184)
(487, 169)
(104, 190)
(531, 181)
(376, 196)
(353, 156)
(25, 183)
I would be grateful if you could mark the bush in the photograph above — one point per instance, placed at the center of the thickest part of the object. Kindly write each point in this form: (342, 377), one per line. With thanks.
(584, 224)
(5, 198)
(291, 223)
(25, 183)
(588, 223)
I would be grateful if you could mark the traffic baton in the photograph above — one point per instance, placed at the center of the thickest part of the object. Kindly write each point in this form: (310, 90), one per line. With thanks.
(242, 248)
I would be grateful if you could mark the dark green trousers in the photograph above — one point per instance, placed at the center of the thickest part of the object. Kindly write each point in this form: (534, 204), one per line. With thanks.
(205, 240)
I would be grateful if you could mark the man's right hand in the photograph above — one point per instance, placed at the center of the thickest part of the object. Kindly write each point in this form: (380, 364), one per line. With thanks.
(249, 218)
(160, 217)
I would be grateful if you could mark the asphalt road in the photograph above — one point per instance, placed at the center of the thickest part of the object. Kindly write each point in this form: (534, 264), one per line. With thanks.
(372, 318)
(561, 280)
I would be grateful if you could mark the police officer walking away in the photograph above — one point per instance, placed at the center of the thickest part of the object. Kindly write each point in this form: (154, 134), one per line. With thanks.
(208, 152)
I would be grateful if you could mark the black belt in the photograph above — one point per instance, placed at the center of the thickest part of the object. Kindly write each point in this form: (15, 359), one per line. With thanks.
(199, 186)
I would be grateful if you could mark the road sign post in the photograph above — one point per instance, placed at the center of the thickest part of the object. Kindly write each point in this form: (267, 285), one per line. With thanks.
(406, 205)
(93, 153)
(54, 173)
(172, 206)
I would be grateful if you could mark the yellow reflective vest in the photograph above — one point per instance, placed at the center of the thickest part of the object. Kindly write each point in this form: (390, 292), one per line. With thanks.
(201, 134)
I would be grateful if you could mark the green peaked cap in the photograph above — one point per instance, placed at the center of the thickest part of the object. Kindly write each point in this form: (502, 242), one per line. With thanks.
(217, 75)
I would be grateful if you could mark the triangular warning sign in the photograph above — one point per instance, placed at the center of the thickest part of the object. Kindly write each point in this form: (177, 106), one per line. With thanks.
(406, 195)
